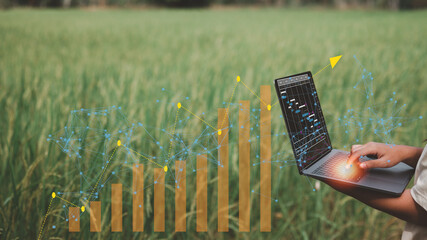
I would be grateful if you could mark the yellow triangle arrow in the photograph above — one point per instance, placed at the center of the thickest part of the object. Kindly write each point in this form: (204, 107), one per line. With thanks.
(334, 60)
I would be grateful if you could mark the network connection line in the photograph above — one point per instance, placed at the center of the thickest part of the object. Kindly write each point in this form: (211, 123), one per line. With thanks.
(333, 61)
(103, 171)
(229, 102)
(53, 196)
(165, 168)
(174, 127)
(265, 104)
(45, 216)
(217, 130)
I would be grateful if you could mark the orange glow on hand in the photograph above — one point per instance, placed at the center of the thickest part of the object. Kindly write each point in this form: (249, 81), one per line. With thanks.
(347, 171)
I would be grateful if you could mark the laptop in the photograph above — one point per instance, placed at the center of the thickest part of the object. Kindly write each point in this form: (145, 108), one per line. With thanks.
(313, 151)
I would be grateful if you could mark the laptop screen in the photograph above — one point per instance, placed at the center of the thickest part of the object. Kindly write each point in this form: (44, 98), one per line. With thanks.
(304, 118)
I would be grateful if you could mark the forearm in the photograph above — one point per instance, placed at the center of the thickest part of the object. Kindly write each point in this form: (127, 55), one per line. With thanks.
(403, 207)
(411, 155)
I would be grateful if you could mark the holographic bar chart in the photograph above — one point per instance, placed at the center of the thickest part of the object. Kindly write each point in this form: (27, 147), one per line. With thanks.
(201, 193)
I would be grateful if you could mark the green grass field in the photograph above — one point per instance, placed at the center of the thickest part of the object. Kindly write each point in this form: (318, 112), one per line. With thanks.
(54, 61)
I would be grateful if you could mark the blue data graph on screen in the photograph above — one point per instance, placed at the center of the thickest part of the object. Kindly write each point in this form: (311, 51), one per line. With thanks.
(304, 118)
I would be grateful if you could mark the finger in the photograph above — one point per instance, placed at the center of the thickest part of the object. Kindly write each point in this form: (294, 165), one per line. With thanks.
(355, 148)
(377, 163)
(352, 150)
(362, 151)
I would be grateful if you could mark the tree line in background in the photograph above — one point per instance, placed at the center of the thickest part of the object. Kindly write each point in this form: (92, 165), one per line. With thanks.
(387, 4)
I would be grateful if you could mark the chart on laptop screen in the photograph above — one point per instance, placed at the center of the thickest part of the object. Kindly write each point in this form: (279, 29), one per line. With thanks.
(304, 118)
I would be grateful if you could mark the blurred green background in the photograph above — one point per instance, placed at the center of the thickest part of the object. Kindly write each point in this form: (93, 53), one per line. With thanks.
(54, 61)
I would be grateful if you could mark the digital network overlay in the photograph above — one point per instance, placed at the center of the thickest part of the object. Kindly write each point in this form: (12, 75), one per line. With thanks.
(105, 146)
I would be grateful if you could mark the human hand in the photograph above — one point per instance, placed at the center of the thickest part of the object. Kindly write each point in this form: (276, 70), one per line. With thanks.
(387, 155)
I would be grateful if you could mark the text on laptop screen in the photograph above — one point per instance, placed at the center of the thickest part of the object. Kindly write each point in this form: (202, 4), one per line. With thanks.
(304, 118)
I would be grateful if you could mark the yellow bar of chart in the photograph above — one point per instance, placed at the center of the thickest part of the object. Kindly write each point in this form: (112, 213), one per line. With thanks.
(74, 219)
(159, 200)
(116, 208)
(265, 155)
(180, 196)
(138, 198)
(202, 194)
(223, 170)
(244, 166)
(95, 216)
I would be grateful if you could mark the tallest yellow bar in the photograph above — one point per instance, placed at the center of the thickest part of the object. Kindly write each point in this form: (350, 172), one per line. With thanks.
(265, 155)
(223, 170)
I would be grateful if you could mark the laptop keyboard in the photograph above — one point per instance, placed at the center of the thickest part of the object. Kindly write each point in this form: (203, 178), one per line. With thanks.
(335, 167)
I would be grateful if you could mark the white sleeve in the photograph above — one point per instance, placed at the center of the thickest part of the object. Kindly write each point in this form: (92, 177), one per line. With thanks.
(419, 191)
